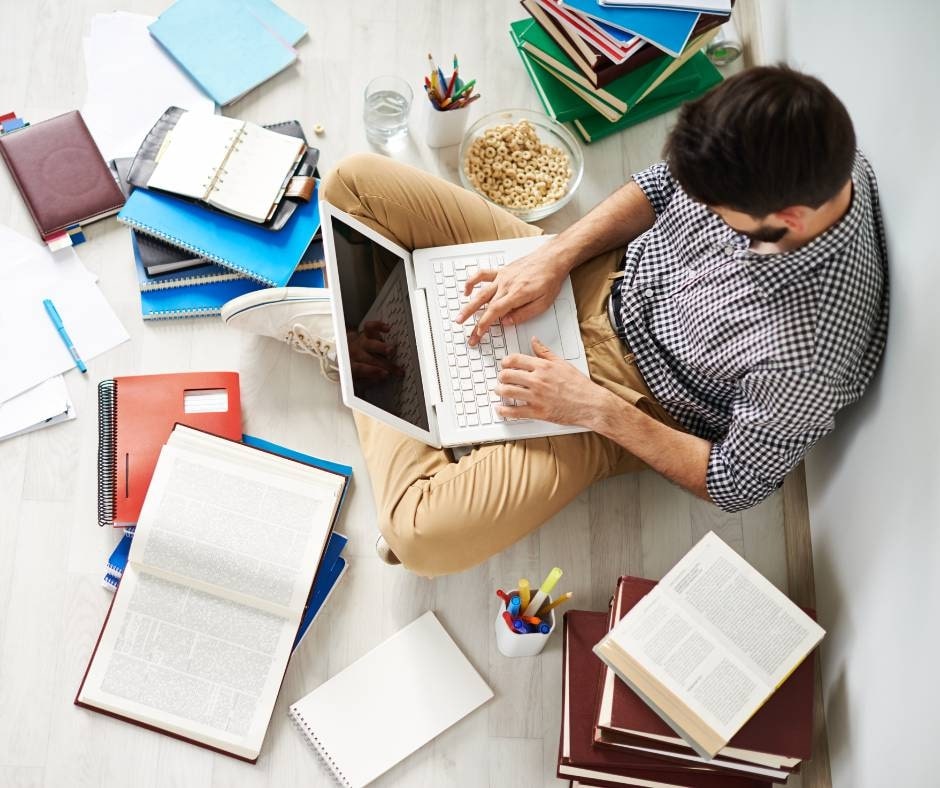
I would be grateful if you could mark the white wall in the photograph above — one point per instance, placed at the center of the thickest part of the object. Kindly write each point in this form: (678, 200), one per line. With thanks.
(874, 485)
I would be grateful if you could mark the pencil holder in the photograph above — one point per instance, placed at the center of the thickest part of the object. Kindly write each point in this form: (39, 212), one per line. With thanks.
(445, 127)
(513, 644)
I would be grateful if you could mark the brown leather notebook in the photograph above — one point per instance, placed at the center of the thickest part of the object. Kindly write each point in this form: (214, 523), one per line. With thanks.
(61, 174)
(782, 727)
(578, 758)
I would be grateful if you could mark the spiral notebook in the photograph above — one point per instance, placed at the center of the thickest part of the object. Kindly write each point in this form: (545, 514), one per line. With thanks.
(137, 413)
(390, 702)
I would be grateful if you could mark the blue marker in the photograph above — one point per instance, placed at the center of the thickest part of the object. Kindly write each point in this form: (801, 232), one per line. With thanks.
(514, 605)
(57, 322)
(545, 628)
(520, 628)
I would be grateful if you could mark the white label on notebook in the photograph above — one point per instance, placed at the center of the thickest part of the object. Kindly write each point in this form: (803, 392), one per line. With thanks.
(205, 401)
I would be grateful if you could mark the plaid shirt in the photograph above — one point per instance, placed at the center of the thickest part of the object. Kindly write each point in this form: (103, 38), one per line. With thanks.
(755, 353)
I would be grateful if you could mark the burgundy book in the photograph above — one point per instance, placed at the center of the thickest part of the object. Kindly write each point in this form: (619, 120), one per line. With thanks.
(61, 174)
(782, 728)
(578, 758)
(601, 70)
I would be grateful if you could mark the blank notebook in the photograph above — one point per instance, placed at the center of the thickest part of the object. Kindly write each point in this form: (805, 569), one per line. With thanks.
(390, 702)
(234, 165)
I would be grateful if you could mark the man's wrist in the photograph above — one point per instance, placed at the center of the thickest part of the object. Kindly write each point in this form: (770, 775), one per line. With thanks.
(607, 412)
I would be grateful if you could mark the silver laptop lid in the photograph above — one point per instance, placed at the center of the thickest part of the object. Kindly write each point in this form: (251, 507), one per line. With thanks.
(379, 341)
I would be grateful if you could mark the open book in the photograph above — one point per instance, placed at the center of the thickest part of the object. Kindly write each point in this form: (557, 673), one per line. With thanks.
(709, 645)
(200, 631)
(233, 165)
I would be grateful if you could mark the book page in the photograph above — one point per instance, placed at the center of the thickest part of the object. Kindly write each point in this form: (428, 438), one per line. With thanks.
(190, 662)
(717, 634)
(248, 534)
(193, 152)
(255, 173)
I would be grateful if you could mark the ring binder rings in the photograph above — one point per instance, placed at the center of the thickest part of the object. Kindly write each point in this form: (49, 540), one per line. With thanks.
(314, 741)
(107, 449)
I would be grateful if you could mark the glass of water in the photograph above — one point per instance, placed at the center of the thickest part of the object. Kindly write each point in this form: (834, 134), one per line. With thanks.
(387, 103)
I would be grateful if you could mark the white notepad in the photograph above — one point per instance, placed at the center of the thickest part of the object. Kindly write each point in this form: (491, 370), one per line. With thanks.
(234, 165)
(390, 702)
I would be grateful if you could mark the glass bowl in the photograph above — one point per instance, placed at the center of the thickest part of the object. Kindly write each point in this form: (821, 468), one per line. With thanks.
(549, 132)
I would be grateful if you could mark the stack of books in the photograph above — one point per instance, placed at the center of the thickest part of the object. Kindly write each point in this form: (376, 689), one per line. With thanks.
(701, 680)
(605, 67)
(197, 247)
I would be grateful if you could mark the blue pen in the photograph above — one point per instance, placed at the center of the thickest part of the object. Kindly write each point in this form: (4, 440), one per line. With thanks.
(57, 322)
(545, 628)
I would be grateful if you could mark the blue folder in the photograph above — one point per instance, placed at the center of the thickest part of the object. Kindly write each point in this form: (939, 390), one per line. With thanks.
(667, 29)
(270, 256)
(228, 47)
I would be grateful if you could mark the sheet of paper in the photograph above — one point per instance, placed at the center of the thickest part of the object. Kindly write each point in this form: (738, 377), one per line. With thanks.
(32, 350)
(42, 406)
(131, 81)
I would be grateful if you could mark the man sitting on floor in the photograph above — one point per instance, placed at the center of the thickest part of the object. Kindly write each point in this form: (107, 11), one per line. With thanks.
(750, 306)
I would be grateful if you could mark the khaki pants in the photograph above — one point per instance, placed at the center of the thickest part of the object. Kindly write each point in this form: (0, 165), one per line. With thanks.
(440, 516)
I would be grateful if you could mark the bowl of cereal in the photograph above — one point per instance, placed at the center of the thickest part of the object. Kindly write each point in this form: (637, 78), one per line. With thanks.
(522, 161)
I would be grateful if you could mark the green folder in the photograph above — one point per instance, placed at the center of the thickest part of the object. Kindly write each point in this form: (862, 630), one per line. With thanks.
(625, 91)
(698, 75)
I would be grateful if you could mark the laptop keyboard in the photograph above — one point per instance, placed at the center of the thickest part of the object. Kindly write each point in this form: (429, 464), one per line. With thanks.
(472, 370)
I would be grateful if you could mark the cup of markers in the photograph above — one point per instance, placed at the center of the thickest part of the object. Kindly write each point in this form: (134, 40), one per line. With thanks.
(525, 620)
(449, 98)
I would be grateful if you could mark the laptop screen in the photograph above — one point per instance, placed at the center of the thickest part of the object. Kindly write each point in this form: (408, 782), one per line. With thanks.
(383, 350)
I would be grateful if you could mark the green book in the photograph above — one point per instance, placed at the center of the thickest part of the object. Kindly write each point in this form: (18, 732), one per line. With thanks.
(560, 100)
(698, 75)
(625, 91)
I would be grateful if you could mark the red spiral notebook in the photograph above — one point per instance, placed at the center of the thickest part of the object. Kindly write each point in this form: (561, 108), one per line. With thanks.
(136, 415)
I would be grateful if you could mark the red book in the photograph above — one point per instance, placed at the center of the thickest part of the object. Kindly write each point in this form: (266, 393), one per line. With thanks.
(578, 758)
(136, 415)
(778, 736)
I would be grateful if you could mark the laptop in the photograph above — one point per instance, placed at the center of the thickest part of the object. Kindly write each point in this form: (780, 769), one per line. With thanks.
(441, 389)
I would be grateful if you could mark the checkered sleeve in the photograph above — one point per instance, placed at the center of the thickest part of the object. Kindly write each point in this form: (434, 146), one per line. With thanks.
(657, 184)
(777, 416)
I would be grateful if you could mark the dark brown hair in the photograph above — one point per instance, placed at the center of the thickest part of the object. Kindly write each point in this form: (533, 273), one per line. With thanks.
(761, 141)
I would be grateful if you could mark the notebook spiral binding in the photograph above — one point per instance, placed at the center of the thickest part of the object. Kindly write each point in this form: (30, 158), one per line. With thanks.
(152, 231)
(314, 741)
(107, 450)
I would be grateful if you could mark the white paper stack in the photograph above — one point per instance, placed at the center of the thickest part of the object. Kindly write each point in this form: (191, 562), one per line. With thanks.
(131, 81)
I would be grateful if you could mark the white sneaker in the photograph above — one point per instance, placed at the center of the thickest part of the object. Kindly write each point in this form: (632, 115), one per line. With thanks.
(299, 316)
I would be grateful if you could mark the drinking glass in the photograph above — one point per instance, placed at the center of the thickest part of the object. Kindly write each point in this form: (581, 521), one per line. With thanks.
(385, 114)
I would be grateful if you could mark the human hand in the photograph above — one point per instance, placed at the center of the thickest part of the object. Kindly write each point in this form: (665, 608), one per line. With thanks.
(371, 357)
(548, 388)
(518, 292)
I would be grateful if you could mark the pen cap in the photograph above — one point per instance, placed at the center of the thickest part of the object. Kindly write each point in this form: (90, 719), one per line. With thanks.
(511, 644)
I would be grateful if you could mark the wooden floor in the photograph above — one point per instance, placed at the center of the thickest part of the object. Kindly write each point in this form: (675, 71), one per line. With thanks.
(52, 553)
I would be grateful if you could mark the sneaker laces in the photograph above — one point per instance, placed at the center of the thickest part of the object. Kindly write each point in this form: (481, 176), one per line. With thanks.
(301, 341)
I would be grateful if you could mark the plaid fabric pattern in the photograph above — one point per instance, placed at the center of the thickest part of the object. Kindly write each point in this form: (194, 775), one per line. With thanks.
(755, 353)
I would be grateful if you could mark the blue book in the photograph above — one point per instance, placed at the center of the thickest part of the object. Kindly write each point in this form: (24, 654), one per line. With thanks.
(667, 29)
(117, 561)
(228, 47)
(207, 300)
(205, 274)
(331, 571)
(270, 256)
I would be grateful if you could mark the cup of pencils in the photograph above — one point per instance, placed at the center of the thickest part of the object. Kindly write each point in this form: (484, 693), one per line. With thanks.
(526, 619)
(448, 99)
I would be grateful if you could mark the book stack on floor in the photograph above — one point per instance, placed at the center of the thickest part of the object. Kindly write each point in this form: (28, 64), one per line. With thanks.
(605, 67)
(207, 226)
(699, 681)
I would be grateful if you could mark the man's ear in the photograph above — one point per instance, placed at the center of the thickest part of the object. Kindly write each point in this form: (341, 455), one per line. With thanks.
(794, 217)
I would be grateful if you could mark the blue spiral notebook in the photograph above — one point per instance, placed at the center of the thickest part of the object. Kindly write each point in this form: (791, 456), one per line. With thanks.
(207, 300)
(228, 47)
(270, 256)
(667, 29)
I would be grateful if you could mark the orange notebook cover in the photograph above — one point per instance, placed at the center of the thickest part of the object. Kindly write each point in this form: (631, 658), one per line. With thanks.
(136, 415)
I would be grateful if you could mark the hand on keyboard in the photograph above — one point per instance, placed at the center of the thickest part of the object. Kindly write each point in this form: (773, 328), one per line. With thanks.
(514, 293)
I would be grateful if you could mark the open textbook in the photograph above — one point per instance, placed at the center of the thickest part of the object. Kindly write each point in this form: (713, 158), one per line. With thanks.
(709, 645)
(200, 631)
